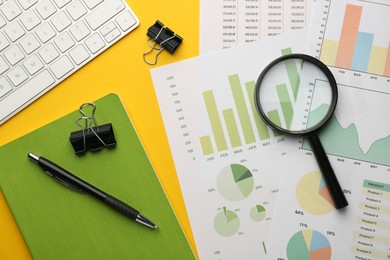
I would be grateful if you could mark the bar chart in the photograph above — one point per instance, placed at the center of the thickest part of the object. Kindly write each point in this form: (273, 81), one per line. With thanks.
(241, 125)
(351, 40)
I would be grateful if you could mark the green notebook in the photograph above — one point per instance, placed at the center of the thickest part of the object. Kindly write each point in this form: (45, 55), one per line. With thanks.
(59, 223)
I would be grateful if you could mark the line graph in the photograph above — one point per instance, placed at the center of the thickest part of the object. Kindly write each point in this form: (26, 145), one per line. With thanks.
(351, 134)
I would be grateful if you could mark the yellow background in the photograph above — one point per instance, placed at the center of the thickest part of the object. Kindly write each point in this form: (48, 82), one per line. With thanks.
(121, 70)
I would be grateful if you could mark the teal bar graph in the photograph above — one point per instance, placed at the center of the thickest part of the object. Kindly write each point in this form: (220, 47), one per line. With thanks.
(361, 54)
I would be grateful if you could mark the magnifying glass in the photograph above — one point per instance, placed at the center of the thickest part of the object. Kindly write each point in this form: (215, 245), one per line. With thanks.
(296, 94)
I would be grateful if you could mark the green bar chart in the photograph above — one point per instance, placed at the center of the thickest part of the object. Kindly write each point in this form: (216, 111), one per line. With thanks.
(260, 125)
(232, 128)
(215, 120)
(285, 102)
(242, 109)
(240, 124)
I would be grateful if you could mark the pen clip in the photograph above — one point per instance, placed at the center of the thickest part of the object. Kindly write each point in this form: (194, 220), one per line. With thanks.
(66, 184)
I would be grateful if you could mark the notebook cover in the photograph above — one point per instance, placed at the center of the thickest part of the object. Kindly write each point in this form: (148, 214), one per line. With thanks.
(59, 223)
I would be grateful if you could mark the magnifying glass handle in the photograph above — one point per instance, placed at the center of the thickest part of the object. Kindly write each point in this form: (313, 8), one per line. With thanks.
(330, 178)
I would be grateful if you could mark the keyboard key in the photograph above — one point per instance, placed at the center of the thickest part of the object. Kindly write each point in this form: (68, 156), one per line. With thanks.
(61, 67)
(61, 21)
(76, 10)
(17, 76)
(79, 54)
(61, 3)
(110, 31)
(45, 32)
(30, 20)
(92, 3)
(103, 13)
(3, 65)
(2, 21)
(94, 43)
(108, 27)
(11, 10)
(26, 4)
(64, 42)
(5, 87)
(46, 9)
(80, 31)
(26, 93)
(112, 35)
(29, 43)
(48, 53)
(4, 43)
(33, 64)
(14, 31)
(125, 20)
(13, 54)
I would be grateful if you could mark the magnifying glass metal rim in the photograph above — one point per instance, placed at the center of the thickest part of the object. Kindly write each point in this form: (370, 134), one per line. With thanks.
(315, 62)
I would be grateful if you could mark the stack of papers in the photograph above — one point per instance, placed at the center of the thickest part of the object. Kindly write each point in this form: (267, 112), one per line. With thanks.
(261, 194)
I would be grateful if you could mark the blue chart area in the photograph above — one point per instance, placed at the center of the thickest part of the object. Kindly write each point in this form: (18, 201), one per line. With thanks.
(344, 142)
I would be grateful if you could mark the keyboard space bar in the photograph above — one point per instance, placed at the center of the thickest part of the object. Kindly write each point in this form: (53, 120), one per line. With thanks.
(25, 94)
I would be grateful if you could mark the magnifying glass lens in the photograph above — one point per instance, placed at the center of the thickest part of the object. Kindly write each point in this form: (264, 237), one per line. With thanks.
(295, 96)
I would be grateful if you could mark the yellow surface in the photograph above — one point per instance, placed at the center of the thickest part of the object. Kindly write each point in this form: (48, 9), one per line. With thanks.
(121, 70)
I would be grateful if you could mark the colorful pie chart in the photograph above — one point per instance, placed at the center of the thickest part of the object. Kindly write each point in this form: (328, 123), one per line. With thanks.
(235, 182)
(313, 195)
(258, 213)
(226, 223)
(308, 244)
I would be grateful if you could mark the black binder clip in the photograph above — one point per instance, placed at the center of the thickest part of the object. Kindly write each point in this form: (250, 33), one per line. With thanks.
(91, 138)
(164, 37)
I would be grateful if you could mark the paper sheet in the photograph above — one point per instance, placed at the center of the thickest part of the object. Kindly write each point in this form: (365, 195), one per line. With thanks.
(352, 39)
(226, 23)
(228, 162)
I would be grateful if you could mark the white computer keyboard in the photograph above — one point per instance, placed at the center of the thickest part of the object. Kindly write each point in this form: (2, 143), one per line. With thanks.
(44, 41)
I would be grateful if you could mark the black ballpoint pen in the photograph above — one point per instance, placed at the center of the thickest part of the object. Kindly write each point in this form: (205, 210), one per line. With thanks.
(75, 183)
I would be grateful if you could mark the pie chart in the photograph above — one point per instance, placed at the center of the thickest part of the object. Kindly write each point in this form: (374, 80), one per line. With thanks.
(258, 213)
(226, 223)
(313, 195)
(308, 244)
(235, 182)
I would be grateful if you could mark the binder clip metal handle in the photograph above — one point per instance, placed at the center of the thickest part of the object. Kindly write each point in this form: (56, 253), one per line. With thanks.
(89, 129)
(92, 113)
(91, 138)
(164, 37)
